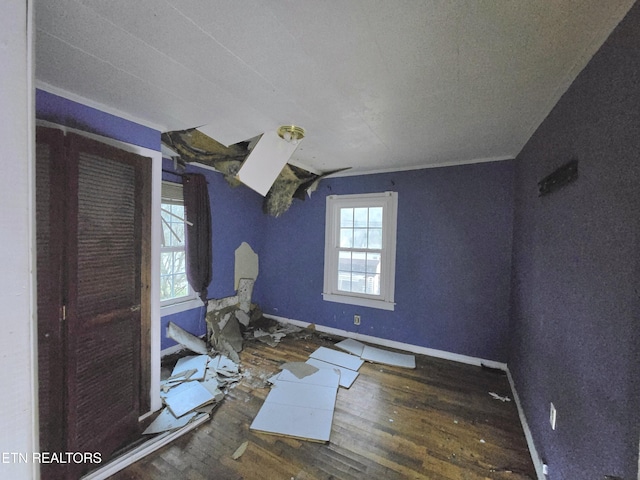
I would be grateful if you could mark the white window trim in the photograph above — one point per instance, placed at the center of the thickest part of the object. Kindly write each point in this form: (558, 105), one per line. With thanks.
(186, 302)
(389, 201)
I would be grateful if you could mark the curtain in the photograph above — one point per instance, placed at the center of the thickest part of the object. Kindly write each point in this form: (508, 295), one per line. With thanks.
(198, 238)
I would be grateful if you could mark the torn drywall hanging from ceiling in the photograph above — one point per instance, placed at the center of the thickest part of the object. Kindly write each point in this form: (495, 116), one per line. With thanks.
(193, 146)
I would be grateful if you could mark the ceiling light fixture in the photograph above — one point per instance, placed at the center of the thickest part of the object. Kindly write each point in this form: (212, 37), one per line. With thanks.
(291, 133)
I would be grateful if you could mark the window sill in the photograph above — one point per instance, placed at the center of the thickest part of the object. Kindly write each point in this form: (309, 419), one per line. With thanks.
(362, 302)
(180, 307)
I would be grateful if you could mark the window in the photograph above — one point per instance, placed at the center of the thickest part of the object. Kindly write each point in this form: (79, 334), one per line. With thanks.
(174, 287)
(360, 249)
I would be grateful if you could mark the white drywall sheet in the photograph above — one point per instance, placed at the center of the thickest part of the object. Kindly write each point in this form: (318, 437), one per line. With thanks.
(166, 421)
(323, 376)
(246, 265)
(377, 355)
(352, 346)
(347, 377)
(186, 339)
(186, 397)
(335, 357)
(196, 362)
(299, 409)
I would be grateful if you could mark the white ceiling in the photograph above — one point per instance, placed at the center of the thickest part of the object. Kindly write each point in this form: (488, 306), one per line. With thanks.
(377, 84)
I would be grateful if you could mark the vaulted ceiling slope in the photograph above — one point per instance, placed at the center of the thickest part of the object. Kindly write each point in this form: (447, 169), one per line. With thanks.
(377, 84)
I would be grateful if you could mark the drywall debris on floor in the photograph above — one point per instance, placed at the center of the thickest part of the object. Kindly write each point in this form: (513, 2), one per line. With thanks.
(335, 357)
(495, 396)
(297, 408)
(195, 386)
(186, 339)
(347, 376)
(240, 450)
(299, 369)
(377, 355)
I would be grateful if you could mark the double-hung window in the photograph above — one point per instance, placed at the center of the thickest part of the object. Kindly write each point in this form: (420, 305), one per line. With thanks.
(174, 287)
(360, 249)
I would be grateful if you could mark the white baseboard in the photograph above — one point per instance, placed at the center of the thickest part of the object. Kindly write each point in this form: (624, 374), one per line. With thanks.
(142, 451)
(537, 462)
(407, 347)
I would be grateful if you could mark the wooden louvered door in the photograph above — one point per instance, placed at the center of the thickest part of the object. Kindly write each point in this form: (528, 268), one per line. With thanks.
(109, 199)
(93, 233)
(50, 184)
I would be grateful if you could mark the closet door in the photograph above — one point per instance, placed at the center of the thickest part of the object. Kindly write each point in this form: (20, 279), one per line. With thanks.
(108, 222)
(50, 217)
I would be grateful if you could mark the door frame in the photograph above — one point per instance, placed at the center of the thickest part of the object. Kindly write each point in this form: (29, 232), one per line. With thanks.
(149, 342)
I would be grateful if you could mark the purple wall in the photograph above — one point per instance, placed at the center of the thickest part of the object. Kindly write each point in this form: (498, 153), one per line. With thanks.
(236, 217)
(452, 265)
(576, 276)
(62, 111)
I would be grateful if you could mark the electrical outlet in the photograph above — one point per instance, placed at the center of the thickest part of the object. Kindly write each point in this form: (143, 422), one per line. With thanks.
(356, 319)
(545, 469)
(552, 416)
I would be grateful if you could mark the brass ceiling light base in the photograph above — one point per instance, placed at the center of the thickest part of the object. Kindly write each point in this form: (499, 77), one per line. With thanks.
(291, 133)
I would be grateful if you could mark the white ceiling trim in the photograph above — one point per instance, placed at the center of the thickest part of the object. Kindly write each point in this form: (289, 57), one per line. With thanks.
(97, 105)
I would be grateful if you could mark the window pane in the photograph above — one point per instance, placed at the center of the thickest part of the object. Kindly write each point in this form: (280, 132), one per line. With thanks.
(375, 217)
(346, 237)
(375, 238)
(360, 216)
(166, 263)
(373, 284)
(359, 262)
(344, 281)
(358, 283)
(373, 263)
(359, 238)
(344, 261)
(165, 287)
(346, 217)
(180, 285)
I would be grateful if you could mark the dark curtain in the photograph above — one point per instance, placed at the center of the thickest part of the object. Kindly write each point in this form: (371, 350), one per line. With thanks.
(198, 238)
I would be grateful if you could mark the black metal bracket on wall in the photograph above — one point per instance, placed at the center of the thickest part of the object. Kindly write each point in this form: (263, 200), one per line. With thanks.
(564, 175)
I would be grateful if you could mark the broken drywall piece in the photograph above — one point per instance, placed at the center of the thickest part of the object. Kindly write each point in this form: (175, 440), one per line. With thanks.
(188, 398)
(347, 376)
(166, 422)
(352, 346)
(245, 289)
(335, 357)
(322, 376)
(298, 409)
(196, 362)
(186, 339)
(499, 397)
(385, 357)
(240, 450)
(246, 264)
(221, 362)
(231, 333)
(299, 369)
(221, 303)
(243, 317)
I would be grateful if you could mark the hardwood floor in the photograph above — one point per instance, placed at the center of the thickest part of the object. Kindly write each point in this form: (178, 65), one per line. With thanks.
(435, 422)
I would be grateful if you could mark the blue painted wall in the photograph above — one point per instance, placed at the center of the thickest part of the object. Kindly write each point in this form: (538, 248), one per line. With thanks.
(576, 285)
(453, 260)
(62, 111)
(236, 217)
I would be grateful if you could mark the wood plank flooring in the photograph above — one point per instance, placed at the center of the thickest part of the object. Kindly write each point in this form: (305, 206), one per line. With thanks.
(436, 422)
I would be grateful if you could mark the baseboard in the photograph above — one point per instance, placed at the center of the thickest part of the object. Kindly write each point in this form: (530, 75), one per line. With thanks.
(537, 462)
(142, 451)
(407, 347)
